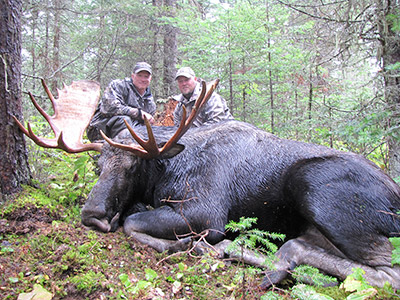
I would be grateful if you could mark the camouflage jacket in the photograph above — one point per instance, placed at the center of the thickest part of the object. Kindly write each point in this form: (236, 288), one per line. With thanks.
(214, 111)
(120, 101)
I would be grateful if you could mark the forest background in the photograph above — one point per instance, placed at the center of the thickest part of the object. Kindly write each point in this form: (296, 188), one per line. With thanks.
(319, 71)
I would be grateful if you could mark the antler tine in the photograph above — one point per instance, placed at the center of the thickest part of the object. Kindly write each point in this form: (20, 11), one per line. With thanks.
(22, 127)
(45, 143)
(137, 150)
(49, 94)
(195, 108)
(44, 114)
(82, 147)
(178, 133)
(150, 146)
(147, 149)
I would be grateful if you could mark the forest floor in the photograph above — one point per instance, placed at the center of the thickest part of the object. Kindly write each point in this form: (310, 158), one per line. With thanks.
(46, 252)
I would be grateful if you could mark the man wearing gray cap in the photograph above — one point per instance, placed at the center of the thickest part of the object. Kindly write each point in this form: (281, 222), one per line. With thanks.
(124, 99)
(215, 109)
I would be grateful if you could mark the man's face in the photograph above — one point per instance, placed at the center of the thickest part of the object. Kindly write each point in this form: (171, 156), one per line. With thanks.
(186, 85)
(141, 80)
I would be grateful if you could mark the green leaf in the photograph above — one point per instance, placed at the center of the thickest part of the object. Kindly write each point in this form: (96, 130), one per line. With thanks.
(306, 292)
(396, 250)
(151, 274)
(125, 280)
(182, 266)
(142, 285)
(13, 279)
(393, 67)
(351, 285)
(6, 250)
(363, 295)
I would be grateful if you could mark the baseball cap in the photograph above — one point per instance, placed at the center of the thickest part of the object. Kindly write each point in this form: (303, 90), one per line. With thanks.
(186, 72)
(142, 66)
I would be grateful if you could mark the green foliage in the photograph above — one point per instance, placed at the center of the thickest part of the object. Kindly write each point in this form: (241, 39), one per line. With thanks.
(394, 19)
(393, 67)
(356, 284)
(82, 180)
(308, 274)
(396, 250)
(195, 277)
(89, 281)
(133, 289)
(252, 239)
(306, 292)
(30, 196)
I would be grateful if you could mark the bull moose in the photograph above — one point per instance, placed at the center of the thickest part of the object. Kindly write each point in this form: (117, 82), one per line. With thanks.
(337, 209)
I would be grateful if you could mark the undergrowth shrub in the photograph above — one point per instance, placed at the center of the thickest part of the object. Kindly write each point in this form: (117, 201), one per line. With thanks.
(253, 239)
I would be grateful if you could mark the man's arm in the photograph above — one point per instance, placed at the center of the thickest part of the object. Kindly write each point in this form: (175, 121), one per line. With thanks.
(113, 102)
(178, 114)
(216, 110)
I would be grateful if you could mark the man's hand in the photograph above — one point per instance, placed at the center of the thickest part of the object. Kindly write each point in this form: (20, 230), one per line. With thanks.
(134, 113)
(148, 117)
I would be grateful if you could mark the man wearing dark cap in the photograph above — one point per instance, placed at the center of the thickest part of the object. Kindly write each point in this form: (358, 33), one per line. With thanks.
(124, 99)
(215, 109)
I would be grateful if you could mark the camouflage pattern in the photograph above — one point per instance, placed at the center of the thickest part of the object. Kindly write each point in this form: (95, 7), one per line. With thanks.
(120, 101)
(215, 110)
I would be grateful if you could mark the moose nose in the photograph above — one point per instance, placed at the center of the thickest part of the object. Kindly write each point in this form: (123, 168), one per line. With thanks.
(99, 224)
(94, 216)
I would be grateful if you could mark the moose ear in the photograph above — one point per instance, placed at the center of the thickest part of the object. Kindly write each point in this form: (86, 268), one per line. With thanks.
(174, 150)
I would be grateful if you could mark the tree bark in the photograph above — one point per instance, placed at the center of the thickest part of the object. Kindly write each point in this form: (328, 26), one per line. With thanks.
(170, 51)
(14, 168)
(390, 51)
(270, 82)
(56, 46)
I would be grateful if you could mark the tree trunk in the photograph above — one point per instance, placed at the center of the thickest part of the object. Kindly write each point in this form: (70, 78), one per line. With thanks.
(99, 60)
(270, 82)
(390, 51)
(231, 106)
(14, 168)
(56, 46)
(170, 51)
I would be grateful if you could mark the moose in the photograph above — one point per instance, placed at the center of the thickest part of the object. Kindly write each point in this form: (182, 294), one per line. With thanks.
(337, 209)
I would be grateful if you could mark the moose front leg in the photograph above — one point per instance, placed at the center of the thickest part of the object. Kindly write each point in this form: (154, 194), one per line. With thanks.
(162, 228)
(161, 245)
(158, 229)
(162, 222)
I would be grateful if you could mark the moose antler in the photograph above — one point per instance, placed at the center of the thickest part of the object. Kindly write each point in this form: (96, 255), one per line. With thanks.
(149, 149)
(72, 113)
